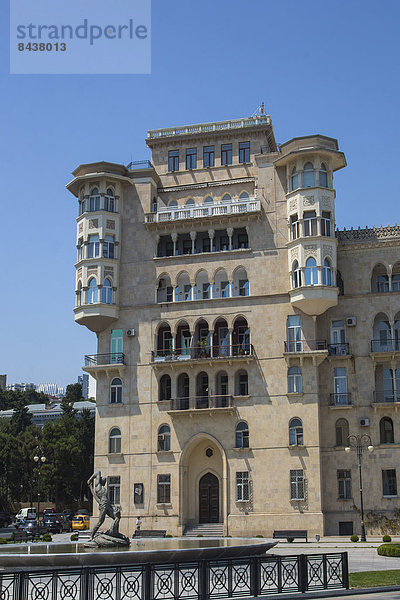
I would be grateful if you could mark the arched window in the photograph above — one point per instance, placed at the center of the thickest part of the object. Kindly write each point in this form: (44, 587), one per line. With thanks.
(114, 441)
(342, 432)
(164, 388)
(323, 176)
(226, 199)
(311, 271)
(190, 202)
(183, 392)
(296, 275)
(94, 200)
(164, 439)
(241, 383)
(208, 200)
(107, 292)
(308, 175)
(294, 380)
(109, 201)
(295, 432)
(386, 431)
(382, 282)
(173, 204)
(116, 391)
(327, 272)
(93, 292)
(242, 435)
(294, 179)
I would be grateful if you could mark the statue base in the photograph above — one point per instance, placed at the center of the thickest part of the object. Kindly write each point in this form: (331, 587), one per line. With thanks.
(108, 539)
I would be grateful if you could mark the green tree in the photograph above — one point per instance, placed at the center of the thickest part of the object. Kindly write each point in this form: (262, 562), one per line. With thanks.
(73, 392)
(21, 418)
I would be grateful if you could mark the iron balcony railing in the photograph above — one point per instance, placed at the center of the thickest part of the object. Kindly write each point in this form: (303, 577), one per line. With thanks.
(381, 396)
(201, 402)
(305, 345)
(203, 352)
(385, 345)
(199, 211)
(340, 399)
(95, 360)
(338, 349)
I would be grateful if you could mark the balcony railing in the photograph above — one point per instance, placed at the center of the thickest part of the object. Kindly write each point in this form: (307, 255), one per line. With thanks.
(200, 352)
(139, 164)
(385, 346)
(338, 349)
(200, 211)
(207, 127)
(304, 345)
(201, 402)
(381, 396)
(95, 360)
(340, 399)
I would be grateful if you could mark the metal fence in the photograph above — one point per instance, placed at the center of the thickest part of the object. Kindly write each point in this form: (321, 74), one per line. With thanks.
(200, 580)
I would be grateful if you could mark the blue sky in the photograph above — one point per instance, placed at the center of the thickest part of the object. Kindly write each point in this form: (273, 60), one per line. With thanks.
(326, 66)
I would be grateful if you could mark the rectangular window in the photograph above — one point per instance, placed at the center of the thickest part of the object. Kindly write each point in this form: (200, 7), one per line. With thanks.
(224, 242)
(389, 483)
(206, 291)
(187, 292)
(109, 203)
(169, 293)
(242, 486)
(191, 158)
(243, 287)
(226, 154)
(243, 240)
(326, 224)
(93, 246)
(187, 247)
(294, 341)
(108, 247)
(340, 386)
(94, 203)
(224, 289)
(173, 160)
(208, 156)
(297, 484)
(114, 490)
(244, 152)
(344, 484)
(163, 489)
(309, 223)
(294, 227)
(243, 384)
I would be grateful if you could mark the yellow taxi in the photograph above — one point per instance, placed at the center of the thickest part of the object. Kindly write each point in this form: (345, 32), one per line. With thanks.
(81, 522)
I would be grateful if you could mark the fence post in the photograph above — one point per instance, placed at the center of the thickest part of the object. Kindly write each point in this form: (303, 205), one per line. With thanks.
(345, 569)
(20, 586)
(147, 582)
(255, 576)
(85, 574)
(302, 573)
(203, 567)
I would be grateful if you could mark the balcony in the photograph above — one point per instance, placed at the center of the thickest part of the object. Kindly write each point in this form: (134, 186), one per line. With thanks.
(338, 349)
(385, 349)
(139, 164)
(235, 352)
(199, 404)
(111, 364)
(386, 397)
(317, 350)
(340, 400)
(200, 211)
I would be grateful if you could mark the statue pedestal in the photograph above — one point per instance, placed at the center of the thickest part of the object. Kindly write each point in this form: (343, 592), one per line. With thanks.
(108, 539)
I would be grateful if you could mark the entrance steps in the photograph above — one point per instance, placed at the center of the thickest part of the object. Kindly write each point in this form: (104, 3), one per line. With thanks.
(205, 529)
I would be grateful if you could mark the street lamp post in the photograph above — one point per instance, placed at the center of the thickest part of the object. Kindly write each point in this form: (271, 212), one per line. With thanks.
(359, 443)
(39, 458)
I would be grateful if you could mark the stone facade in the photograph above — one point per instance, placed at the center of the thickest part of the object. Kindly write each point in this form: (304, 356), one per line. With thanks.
(240, 341)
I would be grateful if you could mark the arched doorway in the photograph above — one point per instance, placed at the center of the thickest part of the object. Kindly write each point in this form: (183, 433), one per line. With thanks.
(209, 499)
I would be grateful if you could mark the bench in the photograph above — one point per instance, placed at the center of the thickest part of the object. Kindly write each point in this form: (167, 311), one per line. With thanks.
(290, 534)
(150, 533)
(23, 536)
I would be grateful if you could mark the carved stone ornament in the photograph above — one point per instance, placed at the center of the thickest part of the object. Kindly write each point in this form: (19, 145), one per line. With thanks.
(294, 253)
(108, 270)
(325, 202)
(93, 223)
(92, 271)
(110, 224)
(308, 201)
(293, 204)
(80, 227)
(328, 250)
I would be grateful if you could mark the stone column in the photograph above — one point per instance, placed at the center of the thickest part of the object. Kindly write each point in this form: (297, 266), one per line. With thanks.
(174, 237)
(230, 348)
(211, 234)
(84, 294)
(229, 231)
(193, 238)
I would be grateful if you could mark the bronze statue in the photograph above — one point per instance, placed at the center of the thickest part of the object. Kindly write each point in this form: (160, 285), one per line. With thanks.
(111, 537)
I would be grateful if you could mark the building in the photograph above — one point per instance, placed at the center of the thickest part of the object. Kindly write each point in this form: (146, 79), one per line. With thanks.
(50, 411)
(21, 387)
(240, 339)
(84, 381)
(51, 388)
(3, 382)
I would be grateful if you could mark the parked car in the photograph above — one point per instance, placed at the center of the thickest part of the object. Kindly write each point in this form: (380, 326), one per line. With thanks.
(32, 527)
(57, 523)
(49, 511)
(81, 522)
(5, 519)
(68, 513)
(25, 513)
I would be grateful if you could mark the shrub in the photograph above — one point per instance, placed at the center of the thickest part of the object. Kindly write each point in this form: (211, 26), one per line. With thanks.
(3, 540)
(290, 540)
(354, 538)
(259, 535)
(386, 538)
(168, 535)
(46, 537)
(200, 535)
(74, 537)
(389, 550)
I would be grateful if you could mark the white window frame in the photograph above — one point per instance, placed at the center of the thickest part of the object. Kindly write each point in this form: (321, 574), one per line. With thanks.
(114, 489)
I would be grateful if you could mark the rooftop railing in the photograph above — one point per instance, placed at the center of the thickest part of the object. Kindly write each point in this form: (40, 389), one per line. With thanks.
(207, 127)
(200, 211)
(139, 164)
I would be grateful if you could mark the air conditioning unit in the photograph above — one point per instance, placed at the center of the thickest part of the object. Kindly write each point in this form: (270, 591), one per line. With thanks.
(351, 321)
(130, 332)
(364, 422)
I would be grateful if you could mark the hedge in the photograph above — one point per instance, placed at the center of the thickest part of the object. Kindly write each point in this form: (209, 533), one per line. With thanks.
(389, 549)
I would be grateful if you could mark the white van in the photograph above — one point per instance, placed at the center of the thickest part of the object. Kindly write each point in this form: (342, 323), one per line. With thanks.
(26, 513)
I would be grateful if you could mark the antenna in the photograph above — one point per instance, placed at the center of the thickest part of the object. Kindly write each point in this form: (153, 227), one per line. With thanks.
(260, 111)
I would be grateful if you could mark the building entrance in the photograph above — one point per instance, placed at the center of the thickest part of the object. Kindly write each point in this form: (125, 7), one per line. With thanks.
(209, 499)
